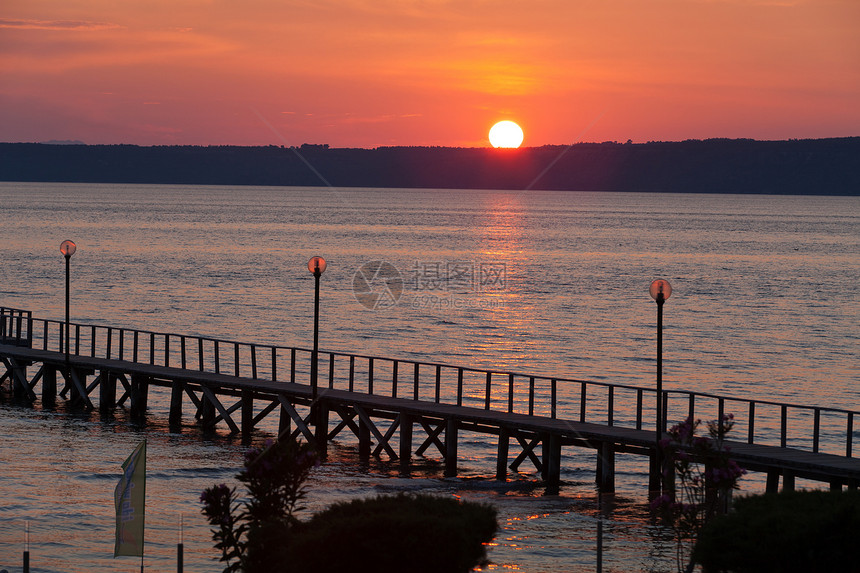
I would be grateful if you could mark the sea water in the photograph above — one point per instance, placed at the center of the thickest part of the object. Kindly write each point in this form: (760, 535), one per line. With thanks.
(764, 305)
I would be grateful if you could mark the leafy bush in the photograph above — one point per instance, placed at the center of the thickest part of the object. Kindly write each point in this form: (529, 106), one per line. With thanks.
(275, 477)
(392, 534)
(785, 532)
(415, 533)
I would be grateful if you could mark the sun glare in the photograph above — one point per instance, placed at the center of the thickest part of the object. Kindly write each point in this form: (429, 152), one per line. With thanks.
(506, 134)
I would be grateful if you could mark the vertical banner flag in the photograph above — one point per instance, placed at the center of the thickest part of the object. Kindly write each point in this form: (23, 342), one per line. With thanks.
(129, 498)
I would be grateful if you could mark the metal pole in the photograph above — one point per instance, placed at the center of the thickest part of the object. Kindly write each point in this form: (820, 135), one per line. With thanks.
(317, 274)
(68, 258)
(661, 415)
(599, 532)
(180, 547)
(26, 564)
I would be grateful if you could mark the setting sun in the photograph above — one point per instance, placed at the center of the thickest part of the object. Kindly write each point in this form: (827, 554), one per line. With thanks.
(506, 134)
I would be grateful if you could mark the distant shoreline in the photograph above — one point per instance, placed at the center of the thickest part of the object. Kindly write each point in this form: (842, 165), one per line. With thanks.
(792, 167)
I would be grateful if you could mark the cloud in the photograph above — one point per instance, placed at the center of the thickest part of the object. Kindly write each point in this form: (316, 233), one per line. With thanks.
(58, 25)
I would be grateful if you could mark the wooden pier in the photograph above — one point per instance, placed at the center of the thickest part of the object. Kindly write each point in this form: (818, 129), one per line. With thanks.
(400, 409)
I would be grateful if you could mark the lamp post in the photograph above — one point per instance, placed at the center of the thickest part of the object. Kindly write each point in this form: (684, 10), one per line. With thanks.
(317, 267)
(660, 291)
(68, 249)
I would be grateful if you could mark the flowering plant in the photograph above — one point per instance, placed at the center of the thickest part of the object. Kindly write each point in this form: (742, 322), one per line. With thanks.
(274, 476)
(704, 476)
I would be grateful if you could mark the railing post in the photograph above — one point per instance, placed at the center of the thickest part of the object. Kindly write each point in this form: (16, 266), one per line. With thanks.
(721, 412)
(639, 408)
(370, 376)
(253, 362)
(274, 364)
(488, 391)
(394, 379)
(582, 399)
(351, 372)
(751, 437)
(109, 342)
(665, 412)
(531, 395)
(510, 392)
(610, 406)
(167, 350)
(236, 358)
(552, 399)
(217, 357)
(816, 426)
(691, 408)
(182, 352)
(438, 383)
(415, 392)
(783, 440)
(200, 355)
(849, 434)
(331, 369)
(459, 386)
(292, 365)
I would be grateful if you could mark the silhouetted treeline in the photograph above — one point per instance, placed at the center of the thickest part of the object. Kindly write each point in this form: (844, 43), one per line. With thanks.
(817, 166)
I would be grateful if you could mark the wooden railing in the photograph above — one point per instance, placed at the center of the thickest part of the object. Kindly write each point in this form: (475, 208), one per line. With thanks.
(15, 326)
(758, 421)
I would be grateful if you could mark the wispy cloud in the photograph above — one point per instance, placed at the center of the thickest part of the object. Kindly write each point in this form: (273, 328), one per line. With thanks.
(59, 25)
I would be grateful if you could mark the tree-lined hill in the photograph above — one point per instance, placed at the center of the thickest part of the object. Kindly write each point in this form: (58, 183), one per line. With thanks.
(819, 166)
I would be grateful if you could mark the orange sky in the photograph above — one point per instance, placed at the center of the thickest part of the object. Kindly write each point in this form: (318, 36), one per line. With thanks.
(365, 73)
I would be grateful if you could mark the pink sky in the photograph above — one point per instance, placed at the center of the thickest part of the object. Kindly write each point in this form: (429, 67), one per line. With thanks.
(366, 73)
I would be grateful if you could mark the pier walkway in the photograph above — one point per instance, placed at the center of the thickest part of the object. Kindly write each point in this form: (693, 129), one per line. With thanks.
(400, 408)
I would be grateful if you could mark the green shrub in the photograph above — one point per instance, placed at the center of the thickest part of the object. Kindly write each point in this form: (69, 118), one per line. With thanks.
(785, 532)
(414, 533)
(262, 534)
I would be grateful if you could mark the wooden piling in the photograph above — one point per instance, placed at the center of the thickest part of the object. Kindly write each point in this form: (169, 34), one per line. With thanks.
(405, 442)
(207, 413)
(606, 467)
(545, 455)
(321, 428)
(364, 443)
(787, 480)
(285, 423)
(75, 389)
(655, 474)
(502, 458)
(139, 395)
(49, 386)
(451, 447)
(19, 381)
(247, 416)
(175, 416)
(107, 390)
(772, 485)
(553, 464)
